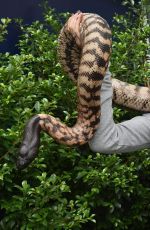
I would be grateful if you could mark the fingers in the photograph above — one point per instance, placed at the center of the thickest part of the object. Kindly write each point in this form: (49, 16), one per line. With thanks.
(72, 21)
(73, 26)
(77, 23)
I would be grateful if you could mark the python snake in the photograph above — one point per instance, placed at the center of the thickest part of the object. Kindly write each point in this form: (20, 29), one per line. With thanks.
(86, 66)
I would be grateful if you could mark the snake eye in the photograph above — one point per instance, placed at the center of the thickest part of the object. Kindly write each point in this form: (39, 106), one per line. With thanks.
(23, 151)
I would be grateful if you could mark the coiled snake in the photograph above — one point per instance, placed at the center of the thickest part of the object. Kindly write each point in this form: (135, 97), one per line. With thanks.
(86, 66)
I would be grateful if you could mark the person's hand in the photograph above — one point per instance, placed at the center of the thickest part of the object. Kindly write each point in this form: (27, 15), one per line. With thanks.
(73, 26)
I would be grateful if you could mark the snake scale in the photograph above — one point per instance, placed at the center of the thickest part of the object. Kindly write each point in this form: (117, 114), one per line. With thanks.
(86, 66)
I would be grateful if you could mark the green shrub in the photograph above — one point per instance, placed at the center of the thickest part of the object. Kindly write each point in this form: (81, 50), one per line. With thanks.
(68, 188)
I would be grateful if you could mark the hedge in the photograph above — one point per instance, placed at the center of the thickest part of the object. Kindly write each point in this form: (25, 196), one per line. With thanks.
(68, 188)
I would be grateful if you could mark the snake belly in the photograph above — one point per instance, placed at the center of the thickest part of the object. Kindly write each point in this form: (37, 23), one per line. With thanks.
(86, 66)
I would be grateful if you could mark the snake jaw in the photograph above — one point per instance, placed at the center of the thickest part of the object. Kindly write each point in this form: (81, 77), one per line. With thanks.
(30, 144)
(27, 156)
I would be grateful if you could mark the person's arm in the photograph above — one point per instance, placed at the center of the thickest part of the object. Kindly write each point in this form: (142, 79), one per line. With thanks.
(127, 136)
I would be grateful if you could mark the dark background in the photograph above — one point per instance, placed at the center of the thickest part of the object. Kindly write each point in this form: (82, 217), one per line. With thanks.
(30, 10)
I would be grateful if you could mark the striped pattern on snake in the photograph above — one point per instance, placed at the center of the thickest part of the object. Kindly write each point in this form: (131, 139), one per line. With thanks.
(86, 66)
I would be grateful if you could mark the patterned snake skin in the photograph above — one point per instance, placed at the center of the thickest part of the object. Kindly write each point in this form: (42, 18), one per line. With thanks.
(86, 66)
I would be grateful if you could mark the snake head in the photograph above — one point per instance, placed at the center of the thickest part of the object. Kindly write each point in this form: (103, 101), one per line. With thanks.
(30, 144)
(26, 155)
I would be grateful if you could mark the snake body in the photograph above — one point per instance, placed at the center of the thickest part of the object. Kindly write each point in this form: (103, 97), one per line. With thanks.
(86, 66)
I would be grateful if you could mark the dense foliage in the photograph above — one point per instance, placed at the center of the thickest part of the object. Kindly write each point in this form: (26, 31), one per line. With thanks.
(68, 188)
